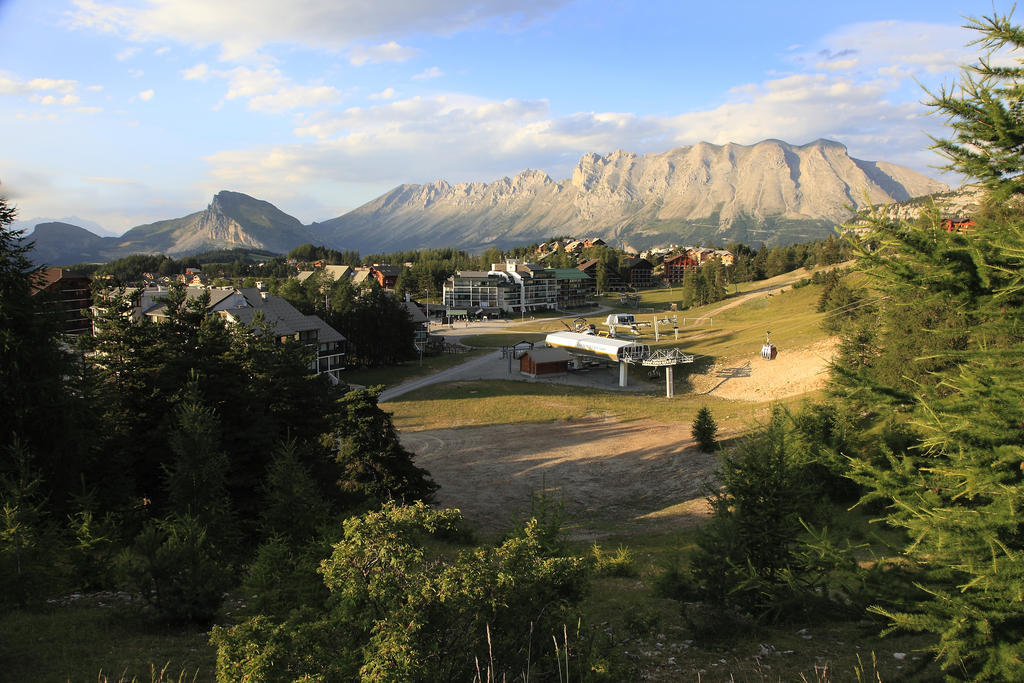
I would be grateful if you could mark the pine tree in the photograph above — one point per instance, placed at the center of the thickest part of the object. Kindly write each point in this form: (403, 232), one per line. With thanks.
(373, 462)
(959, 373)
(705, 430)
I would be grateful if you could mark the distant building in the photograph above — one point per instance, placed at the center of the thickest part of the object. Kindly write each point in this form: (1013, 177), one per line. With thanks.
(245, 306)
(335, 273)
(510, 287)
(638, 272)
(692, 258)
(615, 283)
(575, 288)
(961, 225)
(68, 296)
(386, 276)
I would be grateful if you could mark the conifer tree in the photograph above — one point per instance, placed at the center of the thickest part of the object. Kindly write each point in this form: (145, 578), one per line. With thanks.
(959, 490)
(705, 430)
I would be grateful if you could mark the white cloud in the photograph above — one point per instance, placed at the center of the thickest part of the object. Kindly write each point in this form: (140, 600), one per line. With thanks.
(126, 53)
(385, 94)
(265, 88)
(895, 49)
(242, 27)
(199, 72)
(386, 52)
(461, 137)
(268, 90)
(12, 85)
(432, 72)
(146, 95)
(160, 51)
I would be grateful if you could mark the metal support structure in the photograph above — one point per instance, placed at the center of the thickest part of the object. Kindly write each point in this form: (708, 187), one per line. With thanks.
(668, 359)
(622, 372)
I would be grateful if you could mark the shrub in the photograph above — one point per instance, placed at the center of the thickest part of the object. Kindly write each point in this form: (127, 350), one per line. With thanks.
(618, 563)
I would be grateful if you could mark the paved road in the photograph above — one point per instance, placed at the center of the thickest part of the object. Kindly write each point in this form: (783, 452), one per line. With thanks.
(475, 368)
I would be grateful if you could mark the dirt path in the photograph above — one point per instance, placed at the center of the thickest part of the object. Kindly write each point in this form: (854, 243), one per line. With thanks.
(792, 373)
(612, 475)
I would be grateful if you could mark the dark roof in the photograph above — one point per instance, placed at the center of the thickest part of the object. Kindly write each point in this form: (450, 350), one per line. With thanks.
(633, 262)
(570, 274)
(588, 263)
(45, 277)
(389, 271)
(286, 319)
(216, 295)
(415, 312)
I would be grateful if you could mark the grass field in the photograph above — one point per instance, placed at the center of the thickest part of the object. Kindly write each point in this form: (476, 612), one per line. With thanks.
(99, 639)
(491, 402)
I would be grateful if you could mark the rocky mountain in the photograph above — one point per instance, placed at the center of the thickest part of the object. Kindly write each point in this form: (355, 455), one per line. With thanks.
(231, 220)
(771, 192)
(961, 203)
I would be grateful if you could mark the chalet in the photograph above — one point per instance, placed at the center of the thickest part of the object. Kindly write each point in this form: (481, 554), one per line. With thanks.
(361, 275)
(725, 256)
(285, 322)
(246, 307)
(676, 267)
(335, 273)
(692, 258)
(593, 242)
(615, 281)
(66, 295)
(386, 276)
(420, 323)
(960, 225)
(638, 272)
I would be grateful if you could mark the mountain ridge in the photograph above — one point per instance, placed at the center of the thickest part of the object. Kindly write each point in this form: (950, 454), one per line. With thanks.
(770, 191)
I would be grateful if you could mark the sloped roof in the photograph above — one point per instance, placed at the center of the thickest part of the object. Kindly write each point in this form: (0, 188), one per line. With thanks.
(570, 274)
(360, 275)
(286, 319)
(415, 312)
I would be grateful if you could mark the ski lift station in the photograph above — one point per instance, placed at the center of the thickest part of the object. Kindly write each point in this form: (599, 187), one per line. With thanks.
(623, 351)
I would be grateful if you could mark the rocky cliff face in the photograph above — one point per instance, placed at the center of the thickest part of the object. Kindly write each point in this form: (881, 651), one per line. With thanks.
(771, 191)
(232, 220)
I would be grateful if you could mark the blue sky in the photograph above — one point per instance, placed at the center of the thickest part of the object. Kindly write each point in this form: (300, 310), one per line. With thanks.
(123, 112)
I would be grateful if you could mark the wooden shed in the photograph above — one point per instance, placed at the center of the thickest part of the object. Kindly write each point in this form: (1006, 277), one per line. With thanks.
(542, 362)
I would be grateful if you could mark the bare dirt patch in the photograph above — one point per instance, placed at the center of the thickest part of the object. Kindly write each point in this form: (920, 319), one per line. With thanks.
(793, 372)
(613, 476)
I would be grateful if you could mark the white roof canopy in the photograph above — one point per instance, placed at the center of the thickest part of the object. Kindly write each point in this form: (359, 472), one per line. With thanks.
(616, 349)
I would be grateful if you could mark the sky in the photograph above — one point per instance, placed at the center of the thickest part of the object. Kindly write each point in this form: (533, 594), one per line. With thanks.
(123, 112)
